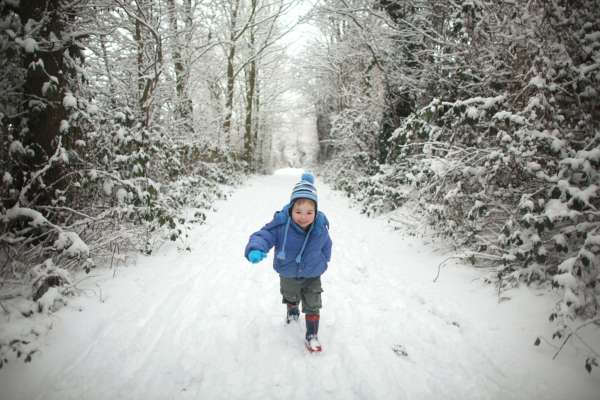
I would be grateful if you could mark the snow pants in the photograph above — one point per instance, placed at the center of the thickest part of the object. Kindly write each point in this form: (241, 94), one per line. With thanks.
(305, 290)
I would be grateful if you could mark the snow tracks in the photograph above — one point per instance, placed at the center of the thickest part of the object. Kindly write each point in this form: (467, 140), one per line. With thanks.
(207, 324)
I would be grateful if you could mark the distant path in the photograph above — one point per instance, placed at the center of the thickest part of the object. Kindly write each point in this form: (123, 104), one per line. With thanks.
(209, 325)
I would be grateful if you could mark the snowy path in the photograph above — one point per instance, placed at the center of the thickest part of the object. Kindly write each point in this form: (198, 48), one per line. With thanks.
(209, 325)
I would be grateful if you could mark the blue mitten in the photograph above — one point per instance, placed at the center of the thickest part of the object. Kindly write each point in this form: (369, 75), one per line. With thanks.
(255, 256)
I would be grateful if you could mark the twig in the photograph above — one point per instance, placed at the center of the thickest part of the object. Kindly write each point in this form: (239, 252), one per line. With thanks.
(574, 332)
(590, 348)
(74, 284)
(4, 308)
(548, 342)
(115, 248)
(100, 290)
(57, 156)
(467, 255)
(440, 267)
(563, 345)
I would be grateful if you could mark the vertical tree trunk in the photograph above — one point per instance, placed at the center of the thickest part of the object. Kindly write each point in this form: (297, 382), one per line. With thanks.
(175, 47)
(187, 4)
(258, 142)
(139, 40)
(230, 71)
(44, 119)
(111, 85)
(42, 76)
(187, 61)
(249, 141)
(149, 56)
(183, 109)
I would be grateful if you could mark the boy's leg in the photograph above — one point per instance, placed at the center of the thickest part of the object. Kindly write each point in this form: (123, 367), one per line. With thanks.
(290, 289)
(311, 295)
(311, 306)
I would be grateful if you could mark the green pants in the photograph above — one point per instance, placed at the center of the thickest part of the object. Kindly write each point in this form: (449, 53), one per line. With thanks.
(305, 290)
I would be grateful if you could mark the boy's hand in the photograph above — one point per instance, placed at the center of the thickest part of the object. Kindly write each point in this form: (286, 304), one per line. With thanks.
(255, 256)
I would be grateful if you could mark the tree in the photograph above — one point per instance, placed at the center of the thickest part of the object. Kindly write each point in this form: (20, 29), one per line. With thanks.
(181, 65)
(490, 117)
(42, 60)
(90, 163)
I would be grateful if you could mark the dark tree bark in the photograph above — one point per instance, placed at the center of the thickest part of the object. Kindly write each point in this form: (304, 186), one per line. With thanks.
(249, 141)
(230, 69)
(184, 104)
(44, 112)
(46, 57)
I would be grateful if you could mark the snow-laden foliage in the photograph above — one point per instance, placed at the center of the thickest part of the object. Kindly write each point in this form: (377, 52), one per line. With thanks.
(86, 179)
(496, 128)
(121, 123)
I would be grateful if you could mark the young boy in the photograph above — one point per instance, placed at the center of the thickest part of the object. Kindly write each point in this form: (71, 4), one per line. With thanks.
(300, 234)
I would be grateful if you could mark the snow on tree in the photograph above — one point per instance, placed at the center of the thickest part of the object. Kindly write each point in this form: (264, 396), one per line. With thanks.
(490, 115)
(90, 164)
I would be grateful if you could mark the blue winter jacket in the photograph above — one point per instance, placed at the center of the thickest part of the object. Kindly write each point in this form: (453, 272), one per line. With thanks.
(298, 253)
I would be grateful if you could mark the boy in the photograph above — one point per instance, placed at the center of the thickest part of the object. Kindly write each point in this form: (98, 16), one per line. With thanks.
(300, 235)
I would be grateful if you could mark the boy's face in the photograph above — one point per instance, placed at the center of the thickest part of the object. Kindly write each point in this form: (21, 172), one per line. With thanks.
(303, 212)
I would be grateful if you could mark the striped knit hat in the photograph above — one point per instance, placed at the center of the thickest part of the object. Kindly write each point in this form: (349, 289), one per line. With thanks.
(305, 189)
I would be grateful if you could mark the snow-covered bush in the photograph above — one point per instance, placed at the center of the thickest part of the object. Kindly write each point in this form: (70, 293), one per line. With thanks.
(86, 169)
(502, 141)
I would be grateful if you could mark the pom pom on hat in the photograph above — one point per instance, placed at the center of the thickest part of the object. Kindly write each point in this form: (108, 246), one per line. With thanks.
(305, 189)
(308, 177)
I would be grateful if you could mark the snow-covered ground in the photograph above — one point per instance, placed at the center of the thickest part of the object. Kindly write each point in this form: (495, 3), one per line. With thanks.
(207, 324)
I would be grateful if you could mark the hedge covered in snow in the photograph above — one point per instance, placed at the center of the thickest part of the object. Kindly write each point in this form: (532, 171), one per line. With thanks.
(93, 165)
(487, 118)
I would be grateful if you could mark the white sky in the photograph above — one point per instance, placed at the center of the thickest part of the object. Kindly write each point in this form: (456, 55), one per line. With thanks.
(207, 324)
(299, 37)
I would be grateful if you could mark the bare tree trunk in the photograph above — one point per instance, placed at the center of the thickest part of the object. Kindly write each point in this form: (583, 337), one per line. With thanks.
(45, 121)
(148, 71)
(111, 85)
(230, 71)
(229, 93)
(187, 61)
(139, 40)
(187, 4)
(249, 142)
(175, 48)
(37, 100)
(183, 109)
(258, 141)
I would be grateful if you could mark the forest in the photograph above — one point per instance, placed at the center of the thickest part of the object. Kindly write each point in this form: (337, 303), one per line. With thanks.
(117, 116)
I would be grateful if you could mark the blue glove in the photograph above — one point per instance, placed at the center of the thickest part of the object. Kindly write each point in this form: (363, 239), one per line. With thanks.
(256, 256)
